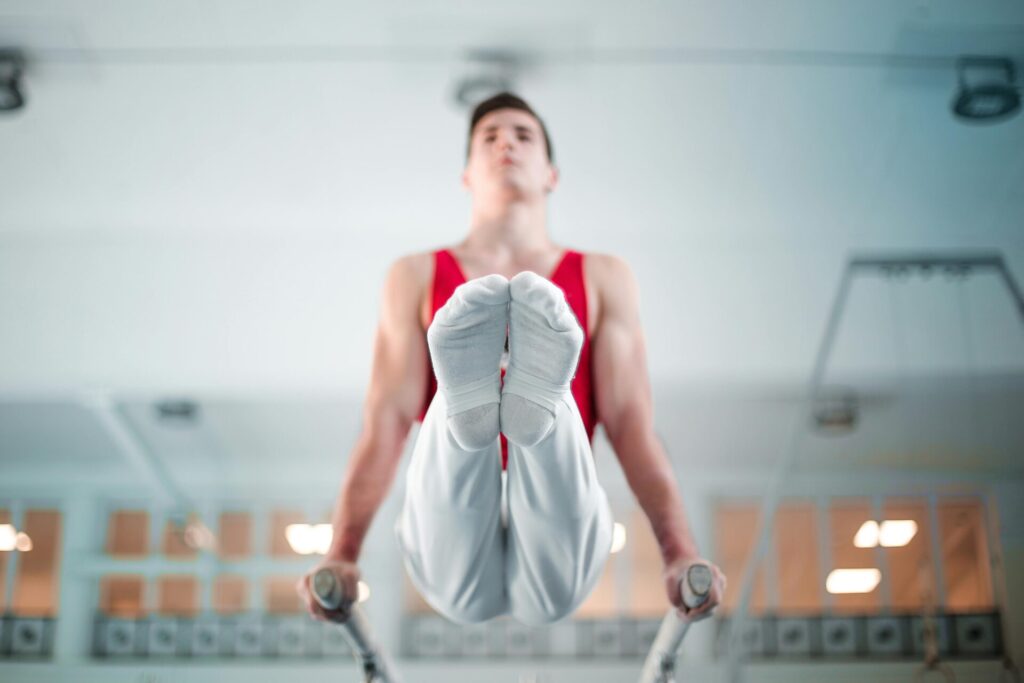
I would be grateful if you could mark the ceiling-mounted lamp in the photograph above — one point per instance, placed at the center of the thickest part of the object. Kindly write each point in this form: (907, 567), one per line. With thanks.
(836, 413)
(498, 71)
(11, 66)
(987, 90)
(177, 412)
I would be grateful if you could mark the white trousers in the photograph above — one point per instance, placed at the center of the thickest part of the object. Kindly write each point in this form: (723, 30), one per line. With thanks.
(471, 566)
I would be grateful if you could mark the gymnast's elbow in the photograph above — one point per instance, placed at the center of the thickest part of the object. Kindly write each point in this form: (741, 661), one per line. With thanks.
(385, 426)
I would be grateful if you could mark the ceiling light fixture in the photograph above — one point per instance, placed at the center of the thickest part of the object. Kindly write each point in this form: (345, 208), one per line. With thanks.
(12, 539)
(7, 537)
(844, 581)
(987, 90)
(178, 411)
(867, 535)
(11, 66)
(836, 414)
(309, 539)
(891, 533)
(498, 71)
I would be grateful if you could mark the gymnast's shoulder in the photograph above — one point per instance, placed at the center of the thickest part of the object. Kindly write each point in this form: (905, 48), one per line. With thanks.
(411, 272)
(610, 284)
(608, 273)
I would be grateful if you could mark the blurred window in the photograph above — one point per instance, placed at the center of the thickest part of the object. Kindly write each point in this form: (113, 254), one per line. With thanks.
(735, 535)
(280, 596)
(234, 535)
(230, 594)
(36, 581)
(797, 558)
(122, 596)
(965, 556)
(128, 533)
(845, 518)
(177, 595)
(906, 560)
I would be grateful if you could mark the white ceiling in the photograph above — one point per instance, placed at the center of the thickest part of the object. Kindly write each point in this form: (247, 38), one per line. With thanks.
(201, 197)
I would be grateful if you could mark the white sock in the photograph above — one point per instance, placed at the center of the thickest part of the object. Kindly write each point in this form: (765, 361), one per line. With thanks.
(544, 340)
(466, 340)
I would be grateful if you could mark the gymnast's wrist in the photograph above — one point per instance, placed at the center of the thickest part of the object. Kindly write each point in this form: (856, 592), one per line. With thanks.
(679, 551)
(343, 551)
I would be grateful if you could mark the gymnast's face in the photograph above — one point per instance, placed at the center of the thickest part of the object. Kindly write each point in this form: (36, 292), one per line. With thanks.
(507, 157)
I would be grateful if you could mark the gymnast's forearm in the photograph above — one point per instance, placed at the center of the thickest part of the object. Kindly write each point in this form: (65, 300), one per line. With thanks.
(652, 480)
(368, 478)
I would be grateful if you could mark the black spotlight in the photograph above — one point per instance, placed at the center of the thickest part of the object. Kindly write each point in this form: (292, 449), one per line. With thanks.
(177, 411)
(498, 71)
(11, 65)
(988, 93)
(472, 89)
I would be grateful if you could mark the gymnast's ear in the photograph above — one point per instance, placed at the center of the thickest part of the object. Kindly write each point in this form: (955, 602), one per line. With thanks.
(553, 179)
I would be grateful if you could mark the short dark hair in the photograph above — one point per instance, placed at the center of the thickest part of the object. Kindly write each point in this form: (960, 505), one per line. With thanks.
(506, 100)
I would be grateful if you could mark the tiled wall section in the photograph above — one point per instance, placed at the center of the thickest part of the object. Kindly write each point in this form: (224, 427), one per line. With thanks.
(26, 637)
(958, 636)
(962, 636)
(256, 636)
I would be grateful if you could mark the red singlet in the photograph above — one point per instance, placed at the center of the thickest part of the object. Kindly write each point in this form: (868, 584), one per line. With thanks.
(568, 275)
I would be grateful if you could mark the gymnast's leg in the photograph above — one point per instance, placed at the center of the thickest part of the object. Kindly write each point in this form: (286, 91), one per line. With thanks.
(450, 526)
(560, 523)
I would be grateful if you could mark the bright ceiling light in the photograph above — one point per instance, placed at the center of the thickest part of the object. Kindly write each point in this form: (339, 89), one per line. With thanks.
(891, 533)
(309, 539)
(841, 581)
(618, 537)
(8, 537)
(199, 537)
(22, 542)
(867, 535)
(896, 533)
(364, 592)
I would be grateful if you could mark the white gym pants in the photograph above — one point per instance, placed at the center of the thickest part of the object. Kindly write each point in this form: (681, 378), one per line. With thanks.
(471, 567)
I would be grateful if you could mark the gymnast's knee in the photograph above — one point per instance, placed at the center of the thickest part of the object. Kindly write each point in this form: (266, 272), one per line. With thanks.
(544, 612)
(474, 609)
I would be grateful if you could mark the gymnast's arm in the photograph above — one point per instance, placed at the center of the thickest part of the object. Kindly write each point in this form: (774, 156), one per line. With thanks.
(625, 407)
(398, 383)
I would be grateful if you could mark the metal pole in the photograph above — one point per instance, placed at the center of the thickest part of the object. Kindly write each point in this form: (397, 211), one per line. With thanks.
(782, 468)
(886, 264)
(659, 667)
(328, 591)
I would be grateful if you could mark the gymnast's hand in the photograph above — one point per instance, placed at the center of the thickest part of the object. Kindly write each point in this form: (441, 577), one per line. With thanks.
(347, 574)
(676, 571)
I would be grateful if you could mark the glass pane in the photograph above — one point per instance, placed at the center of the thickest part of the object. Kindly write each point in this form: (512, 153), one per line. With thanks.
(35, 593)
(234, 536)
(121, 596)
(5, 518)
(735, 535)
(177, 595)
(281, 597)
(279, 521)
(797, 559)
(965, 558)
(648, 590)
(910, 567)
(845, 518)
(128, 533)
(230, 594)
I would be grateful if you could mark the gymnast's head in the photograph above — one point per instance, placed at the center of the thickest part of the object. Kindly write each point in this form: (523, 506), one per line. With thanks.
(508, 151)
